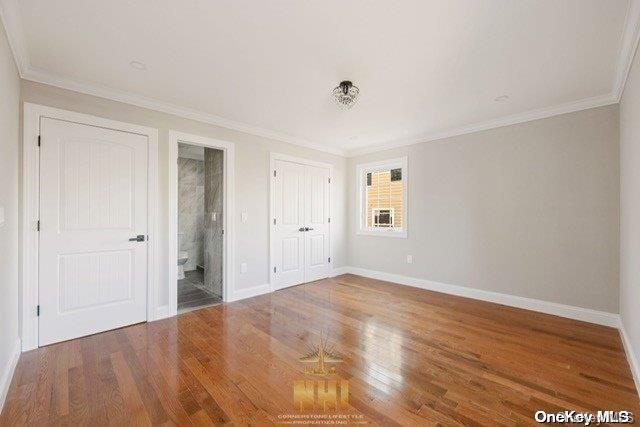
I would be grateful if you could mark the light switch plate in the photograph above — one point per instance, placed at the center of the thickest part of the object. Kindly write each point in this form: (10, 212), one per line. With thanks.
(243, 217)
(243, 267)
(409, 259)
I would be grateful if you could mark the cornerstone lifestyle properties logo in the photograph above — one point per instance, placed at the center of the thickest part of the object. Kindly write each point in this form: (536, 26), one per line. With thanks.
(326, 391)
(321, 396)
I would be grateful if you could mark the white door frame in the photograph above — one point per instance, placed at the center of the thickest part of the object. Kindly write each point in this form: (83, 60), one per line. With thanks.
(31, 212)
(272, 167)
(228, 213)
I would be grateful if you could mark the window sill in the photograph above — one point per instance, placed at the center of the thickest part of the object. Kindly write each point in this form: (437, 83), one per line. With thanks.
(383, 233)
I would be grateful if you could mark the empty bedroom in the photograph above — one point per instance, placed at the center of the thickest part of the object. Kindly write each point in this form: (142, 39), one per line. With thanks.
(418, 212)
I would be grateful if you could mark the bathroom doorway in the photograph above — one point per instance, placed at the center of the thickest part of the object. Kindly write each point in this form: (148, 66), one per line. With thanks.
(200, 230)
(199, 222)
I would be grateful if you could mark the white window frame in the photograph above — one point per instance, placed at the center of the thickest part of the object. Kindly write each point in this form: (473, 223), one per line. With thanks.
(361, 192)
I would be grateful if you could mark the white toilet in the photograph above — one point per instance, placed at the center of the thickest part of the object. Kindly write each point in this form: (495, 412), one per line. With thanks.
(183, 257)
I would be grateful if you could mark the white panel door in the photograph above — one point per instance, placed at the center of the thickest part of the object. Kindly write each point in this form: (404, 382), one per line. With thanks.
(316, 251)
(288, 243)
(300, 245)
(93, 200)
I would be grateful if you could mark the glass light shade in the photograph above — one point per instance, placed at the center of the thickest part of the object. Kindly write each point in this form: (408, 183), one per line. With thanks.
(346, 94)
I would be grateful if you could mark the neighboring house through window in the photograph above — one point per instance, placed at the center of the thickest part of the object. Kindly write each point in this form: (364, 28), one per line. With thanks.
(382, 217)
(382, 192)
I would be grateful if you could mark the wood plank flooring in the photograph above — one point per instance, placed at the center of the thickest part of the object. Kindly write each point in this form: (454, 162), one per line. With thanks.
(410, 357)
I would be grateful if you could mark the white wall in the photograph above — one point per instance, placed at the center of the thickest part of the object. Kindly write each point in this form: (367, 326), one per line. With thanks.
(529, 210)
(251, 168)
(9, 176)
(630, 215)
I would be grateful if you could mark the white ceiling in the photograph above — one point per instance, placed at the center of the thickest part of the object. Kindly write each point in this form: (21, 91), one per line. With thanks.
(426, 69)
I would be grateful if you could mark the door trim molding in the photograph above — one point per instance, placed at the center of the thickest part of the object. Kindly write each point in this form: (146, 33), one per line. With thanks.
(30, 209)
(273, 156)
(228, 214)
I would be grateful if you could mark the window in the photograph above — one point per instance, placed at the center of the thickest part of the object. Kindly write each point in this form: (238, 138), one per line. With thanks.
(382, 192)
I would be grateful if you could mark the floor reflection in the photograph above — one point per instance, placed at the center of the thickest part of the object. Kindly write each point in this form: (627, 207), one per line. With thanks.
(383, 357)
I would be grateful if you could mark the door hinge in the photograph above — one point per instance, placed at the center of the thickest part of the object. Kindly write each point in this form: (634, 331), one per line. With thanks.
(329, 219)
(37, 310)
(274, 174)
(38, 225)
(329, 260)
(222, 232)
(329, 180)
(274, 221)
(274, 269)
(38, 140)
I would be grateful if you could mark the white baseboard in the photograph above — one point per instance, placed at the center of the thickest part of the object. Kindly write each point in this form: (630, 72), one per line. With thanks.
(338, 271)
(250, 292)
(632, 357)
(7, 374)
(571, 312)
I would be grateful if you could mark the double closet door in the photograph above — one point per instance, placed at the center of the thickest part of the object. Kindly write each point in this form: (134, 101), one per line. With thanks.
(300, 249)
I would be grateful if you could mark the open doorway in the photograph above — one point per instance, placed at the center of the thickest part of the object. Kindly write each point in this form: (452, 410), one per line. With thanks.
(200, 226)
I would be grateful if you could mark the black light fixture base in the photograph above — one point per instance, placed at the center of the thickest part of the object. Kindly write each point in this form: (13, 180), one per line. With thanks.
(345, 85)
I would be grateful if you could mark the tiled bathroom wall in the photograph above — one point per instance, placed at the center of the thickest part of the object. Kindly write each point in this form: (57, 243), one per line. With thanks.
(213, 192)
(191, 210)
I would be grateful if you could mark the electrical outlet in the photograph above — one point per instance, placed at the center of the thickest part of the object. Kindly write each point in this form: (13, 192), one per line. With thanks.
(409, 259)
(243, 267)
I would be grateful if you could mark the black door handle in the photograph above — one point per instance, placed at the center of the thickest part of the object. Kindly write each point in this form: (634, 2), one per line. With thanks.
(308, 229)
(138, 238)
(301, 229)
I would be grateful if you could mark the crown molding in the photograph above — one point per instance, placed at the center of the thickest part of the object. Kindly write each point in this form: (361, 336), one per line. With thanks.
(513, 119)
(628, 47)
(10, 15)
(144, 102)
(629, 41)
(40, 76)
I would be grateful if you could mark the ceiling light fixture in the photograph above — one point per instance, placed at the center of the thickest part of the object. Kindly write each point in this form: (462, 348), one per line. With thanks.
(138, 65)
(346, 94)
(501, 98)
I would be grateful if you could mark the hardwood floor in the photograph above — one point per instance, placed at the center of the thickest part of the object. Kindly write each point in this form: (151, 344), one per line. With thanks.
(409, 356)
